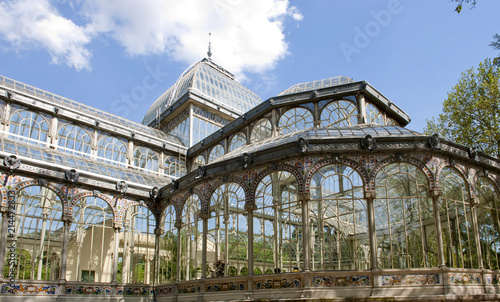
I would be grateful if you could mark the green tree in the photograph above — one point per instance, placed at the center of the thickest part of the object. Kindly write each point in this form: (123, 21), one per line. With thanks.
(471, 113)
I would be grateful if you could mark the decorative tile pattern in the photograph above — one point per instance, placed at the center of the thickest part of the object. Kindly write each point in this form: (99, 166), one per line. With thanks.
(226, 286)
(492, 279)
(278, 283)
(88, 290)
(134, 291)
(464, 278)
(189, 289)
(416, 279)
(30, 289)
(165, 291)
(331, 281)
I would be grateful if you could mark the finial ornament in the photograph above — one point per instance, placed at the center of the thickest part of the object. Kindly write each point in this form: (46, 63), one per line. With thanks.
(209, 52)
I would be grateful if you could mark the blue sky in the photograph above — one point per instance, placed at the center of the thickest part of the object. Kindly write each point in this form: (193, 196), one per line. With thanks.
(120, 55)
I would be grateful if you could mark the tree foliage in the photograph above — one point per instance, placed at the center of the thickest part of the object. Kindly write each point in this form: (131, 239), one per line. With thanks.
(471, 113)
(460, 4)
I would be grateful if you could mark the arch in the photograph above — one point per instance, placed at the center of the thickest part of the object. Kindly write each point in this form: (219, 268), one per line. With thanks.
(216, 152)
(81, 195)
(112, 149)
(262, 129)
(31, 125)
(345, 161)
(277, 220)
(265, 172)
(191, 239)
(227, 229)
(295, 119)
(374, 115)
(146, 159)
(455, 210)
(339, 113)
(75, 138)
(38, 213)
(29, 183)
(488, 221)
(230, 179)
(199, 161)
(412, 161)
(169, 243)
(338, 219)
(138, 250)
(174, 166)
(91, 242)
(238, 140)
(404, 217)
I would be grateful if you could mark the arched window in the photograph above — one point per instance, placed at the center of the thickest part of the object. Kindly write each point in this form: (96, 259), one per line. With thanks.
(168, 248)
(456, 221)
(199, 161)
(339, 223)
(137, 246)
(174, 166)
(404, 218)
(216, 152)
(373, 115)
(277, 224)
(39, 231)
(295, 119)
(191, 240)
(91, 241)
(112, 149)
(339, 113)
(488, 215)
(30, 125)
(227, 231)
(261, 130)
(75, 138)
(146, 159)
(237, 141)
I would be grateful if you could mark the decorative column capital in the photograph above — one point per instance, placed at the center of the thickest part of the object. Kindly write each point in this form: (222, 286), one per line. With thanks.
(435, 192)
(370, 194)
(304, 196)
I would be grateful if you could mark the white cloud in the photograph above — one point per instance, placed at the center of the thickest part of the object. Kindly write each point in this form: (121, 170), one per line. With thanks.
(247, 36)
(27, 24)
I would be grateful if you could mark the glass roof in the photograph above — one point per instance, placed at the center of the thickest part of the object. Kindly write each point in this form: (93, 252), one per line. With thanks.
(324, 83)
(84, 109)
(325, 133)
(209, 80)
(79, 163)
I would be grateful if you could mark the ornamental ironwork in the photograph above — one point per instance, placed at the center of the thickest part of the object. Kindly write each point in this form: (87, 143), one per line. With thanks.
(12, 162)
(368, 142)
(121, 186)
(72, 175)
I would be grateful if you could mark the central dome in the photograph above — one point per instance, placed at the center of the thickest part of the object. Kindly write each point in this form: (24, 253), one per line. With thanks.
(209, 81)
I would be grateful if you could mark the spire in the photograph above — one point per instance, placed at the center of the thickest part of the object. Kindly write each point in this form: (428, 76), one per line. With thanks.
(209, 52)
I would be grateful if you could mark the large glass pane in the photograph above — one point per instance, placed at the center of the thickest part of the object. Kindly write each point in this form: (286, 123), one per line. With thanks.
(339, 223)
(237, 141)
(295, 119)
(216, 153)
(137, 246)
(277, 225)
(404, 218)
(71, 137)
(33, 126)
(191, 240)
(261, 130)
(456, 221)
(38, 230)
(488, 222)
(91, 242)
(146, 159)
(227, 232)
(168, 248)
(339, 113)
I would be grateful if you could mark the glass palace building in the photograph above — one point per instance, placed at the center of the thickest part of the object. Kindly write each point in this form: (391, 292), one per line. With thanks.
(317, 194)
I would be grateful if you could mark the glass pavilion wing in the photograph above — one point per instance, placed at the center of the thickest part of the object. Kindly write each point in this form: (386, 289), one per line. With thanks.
(324, 83)
(102, 115)
(51, 156)
(325, 133)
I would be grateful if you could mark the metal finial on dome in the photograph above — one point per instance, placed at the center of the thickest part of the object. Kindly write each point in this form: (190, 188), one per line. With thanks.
(209, 52)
